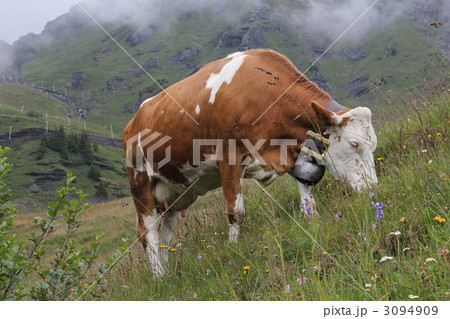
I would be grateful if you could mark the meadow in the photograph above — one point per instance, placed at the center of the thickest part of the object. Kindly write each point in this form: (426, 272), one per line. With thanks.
(388, 243)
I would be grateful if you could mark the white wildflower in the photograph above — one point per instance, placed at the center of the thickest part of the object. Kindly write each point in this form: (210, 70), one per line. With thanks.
(413, 297)
(395, 233)
(430, 259)
(386, 258)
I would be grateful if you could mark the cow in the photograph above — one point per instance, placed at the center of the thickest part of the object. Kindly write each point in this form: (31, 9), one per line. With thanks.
(249, 115)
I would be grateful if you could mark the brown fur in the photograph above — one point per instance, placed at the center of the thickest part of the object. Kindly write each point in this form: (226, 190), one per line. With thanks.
(237, 105)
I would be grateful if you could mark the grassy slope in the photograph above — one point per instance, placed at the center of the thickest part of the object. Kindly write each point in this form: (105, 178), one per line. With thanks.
(23, 154)
(413, 186)
(52, 169)
(415, 61)
(36, 105)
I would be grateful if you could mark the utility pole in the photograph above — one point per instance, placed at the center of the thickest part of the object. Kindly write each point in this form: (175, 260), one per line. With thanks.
(85, 126)
(21, 111)
(10, 130)
(46, 122)
(54, 87)
(69, 120)
(112, 134)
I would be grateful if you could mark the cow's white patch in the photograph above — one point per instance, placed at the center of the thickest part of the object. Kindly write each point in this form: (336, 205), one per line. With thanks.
(197, 109)
(239, 204)
(203, 178)
(354, 164)
(255, 171)
(162, 112)
(234, 233)
(152, 236)
(181, 111)
(147, 100)
(232, 55)
(227, 73)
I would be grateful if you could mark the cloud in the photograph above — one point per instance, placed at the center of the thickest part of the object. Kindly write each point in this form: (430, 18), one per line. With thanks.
(6, 56)
(331, 18)
(155, 13)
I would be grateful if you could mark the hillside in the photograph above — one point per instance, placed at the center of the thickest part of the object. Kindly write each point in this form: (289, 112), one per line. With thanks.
(23, 113)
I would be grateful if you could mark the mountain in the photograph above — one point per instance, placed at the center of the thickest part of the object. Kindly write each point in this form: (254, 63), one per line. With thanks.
(91, 79)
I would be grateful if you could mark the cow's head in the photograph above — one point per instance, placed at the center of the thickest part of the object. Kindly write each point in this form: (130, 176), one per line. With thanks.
(352, 143)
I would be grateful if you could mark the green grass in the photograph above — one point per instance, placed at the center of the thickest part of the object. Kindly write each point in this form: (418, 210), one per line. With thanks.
(335, 259)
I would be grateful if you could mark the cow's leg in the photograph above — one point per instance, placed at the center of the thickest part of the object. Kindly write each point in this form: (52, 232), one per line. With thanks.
(147, 217)
(308, 205)
(168, 225)
(232, 181)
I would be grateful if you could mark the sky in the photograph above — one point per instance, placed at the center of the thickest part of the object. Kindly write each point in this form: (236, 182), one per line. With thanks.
(20, 17)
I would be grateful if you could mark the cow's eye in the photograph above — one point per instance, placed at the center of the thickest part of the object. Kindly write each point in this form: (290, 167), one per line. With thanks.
(354, 145)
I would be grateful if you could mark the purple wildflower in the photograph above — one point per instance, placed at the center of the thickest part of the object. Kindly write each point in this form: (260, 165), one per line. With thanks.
(337, 217)
(307, 208)
(301, 280)
(288, 288)
(199, 257)
(208, 272)
(315, 268)
(371, 194)
(195, 296)
(380, 212)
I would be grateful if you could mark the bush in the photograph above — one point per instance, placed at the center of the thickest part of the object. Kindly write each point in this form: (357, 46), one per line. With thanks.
(94, 173)
(66, 276)
(101, 191)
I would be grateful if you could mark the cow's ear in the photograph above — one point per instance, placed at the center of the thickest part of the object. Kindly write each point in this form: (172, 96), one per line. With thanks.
(324, 116)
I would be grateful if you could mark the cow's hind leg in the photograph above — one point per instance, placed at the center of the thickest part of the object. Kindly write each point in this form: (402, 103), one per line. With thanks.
(147, 217)
(232, 190)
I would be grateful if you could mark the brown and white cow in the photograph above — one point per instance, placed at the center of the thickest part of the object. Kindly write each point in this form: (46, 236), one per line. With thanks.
(245, 116)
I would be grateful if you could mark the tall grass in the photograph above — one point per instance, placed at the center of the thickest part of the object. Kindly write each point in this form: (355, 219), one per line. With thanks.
(338, 256)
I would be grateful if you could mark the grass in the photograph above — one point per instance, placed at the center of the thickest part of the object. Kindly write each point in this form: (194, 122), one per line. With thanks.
(325, 258)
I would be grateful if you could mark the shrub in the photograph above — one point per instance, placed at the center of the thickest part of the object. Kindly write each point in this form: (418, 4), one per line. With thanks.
(66, 276)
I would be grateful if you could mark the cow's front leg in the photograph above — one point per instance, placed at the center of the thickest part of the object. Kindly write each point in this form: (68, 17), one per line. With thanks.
(153, 242)
(168, 225)
(147, 217)
(308, 205)
(232, 181)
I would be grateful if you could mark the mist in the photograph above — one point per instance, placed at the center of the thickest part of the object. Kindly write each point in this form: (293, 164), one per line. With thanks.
(156, 13)
(6, 56)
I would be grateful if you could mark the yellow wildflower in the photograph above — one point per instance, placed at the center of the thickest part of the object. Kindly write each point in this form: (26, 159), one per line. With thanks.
(403, 219)
(247, 268)
(440, 219)
(173, 250)
(439, 134)
(379, 159)
(266, 247)
(324, 253)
